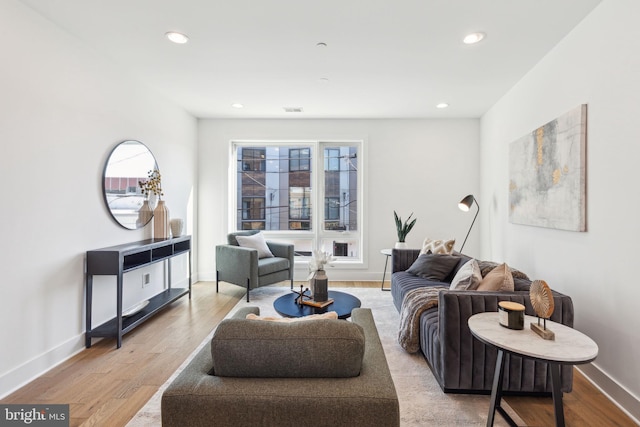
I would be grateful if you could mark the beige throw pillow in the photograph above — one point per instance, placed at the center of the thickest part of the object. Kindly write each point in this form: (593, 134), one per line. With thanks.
(467, 278)
(438, 246)
(327, 315)
(498, 279)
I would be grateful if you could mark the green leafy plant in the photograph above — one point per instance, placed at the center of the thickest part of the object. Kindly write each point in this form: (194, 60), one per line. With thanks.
(152, 185)
(403, 228)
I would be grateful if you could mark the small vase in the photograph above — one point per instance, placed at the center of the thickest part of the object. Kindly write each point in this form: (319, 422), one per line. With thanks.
(161, 229)
(401, 245)
(145, 213)
(176, 227)
(319, 285)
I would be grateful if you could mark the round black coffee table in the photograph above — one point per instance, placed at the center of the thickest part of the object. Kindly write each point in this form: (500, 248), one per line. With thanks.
(342, 304)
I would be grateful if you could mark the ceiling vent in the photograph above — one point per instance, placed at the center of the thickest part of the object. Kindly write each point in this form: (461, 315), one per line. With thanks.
(292, 109)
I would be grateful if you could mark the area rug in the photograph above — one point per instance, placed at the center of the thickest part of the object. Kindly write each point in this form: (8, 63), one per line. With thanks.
(422, 402)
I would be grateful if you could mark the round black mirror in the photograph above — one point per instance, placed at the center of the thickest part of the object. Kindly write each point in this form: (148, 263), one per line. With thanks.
(129, 163)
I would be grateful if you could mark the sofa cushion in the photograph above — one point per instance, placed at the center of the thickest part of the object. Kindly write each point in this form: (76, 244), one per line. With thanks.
(433, 266)
(272, 265)
(256, 242)
(468, 277)
(437, 246)
(498, 279)
(312, 349)
(487, 266)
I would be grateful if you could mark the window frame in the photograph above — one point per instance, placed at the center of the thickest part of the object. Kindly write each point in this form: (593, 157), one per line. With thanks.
(317, 234)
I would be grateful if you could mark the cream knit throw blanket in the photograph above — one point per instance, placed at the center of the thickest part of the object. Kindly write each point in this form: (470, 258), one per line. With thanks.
(413, 305)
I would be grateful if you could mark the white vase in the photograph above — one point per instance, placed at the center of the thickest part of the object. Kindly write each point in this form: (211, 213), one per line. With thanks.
(401, 245)
(176, 227)
(161, 229)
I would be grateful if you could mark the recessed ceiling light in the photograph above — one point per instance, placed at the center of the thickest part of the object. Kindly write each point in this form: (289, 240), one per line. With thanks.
(473, 38)
(442, 105)
(178, 38)
(324, 80)
(237, 105)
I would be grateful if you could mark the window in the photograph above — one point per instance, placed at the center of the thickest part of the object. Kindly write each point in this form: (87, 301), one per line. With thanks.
(299, 159)
(252, 208)
(331, 208)
(253, 159)
(299, 202)
(331, 159)
(307, 193)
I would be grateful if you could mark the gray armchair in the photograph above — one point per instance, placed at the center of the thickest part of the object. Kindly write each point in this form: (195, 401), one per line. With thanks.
(241, 266)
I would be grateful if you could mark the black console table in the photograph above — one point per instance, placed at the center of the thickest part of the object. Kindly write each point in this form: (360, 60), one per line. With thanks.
(117, 260)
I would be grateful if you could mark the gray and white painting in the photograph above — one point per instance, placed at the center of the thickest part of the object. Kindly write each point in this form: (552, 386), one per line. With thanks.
(547, 172)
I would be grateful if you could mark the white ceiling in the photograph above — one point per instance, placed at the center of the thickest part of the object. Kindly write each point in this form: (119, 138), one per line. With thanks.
(384, 58)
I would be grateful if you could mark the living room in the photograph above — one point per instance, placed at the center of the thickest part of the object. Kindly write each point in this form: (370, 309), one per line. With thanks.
(66, 105)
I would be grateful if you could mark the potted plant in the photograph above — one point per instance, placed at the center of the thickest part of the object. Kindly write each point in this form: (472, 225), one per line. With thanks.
(403, 228)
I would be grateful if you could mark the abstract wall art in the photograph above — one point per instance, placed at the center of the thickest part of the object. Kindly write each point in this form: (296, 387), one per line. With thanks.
(547, 174)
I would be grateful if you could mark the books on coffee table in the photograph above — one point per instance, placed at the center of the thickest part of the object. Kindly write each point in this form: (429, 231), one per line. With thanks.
(317, 304)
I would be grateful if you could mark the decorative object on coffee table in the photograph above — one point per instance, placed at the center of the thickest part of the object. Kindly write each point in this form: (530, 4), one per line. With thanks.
(542, 302)
(403, 228)
(318, 281)
(465, 205)
(319, 285)
(301, 295)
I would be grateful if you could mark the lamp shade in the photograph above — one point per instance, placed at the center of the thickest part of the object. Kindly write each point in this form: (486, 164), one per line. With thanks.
(465, 204)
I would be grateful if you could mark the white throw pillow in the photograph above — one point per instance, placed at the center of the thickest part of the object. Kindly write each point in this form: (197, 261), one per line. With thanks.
(256, 242)
(438, 246)
(468, 277)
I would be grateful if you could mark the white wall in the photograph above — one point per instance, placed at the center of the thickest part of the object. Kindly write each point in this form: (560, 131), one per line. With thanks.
(597, 64)
(62, 109)
(420, 166)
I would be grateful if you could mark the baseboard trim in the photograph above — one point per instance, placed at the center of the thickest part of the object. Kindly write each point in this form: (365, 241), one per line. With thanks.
(620, 396)
(32, 369)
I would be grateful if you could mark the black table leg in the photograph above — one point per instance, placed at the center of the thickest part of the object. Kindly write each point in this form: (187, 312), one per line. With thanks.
(496, 393)
(386, 261)
(557, 394)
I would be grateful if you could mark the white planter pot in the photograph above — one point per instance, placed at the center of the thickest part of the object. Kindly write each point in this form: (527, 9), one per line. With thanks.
(401, 245)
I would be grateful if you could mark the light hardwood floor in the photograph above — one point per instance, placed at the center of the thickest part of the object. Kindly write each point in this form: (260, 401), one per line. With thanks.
(105, 386)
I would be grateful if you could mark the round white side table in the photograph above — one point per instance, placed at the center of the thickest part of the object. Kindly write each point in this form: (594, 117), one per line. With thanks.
(569, 347)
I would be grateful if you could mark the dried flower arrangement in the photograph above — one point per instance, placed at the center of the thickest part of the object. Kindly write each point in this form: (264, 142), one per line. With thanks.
(153, 185)
(319, 260)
